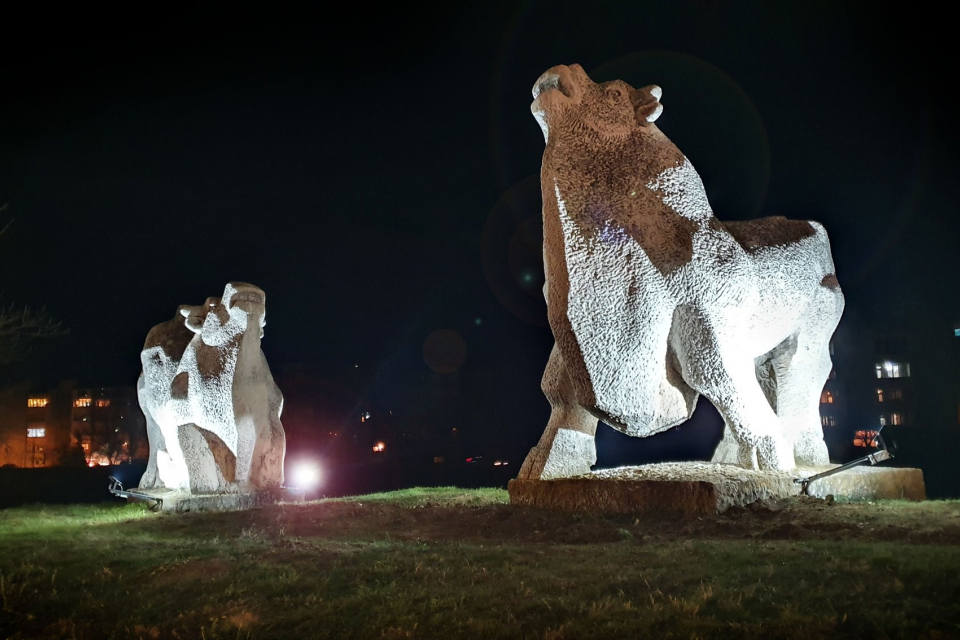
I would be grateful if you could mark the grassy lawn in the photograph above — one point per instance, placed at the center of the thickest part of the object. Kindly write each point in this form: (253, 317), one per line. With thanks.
(442, 563)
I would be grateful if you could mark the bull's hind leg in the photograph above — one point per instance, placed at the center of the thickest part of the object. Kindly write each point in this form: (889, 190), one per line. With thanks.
(728, 451)
(714, 365)
(567, 447)
(801, 372)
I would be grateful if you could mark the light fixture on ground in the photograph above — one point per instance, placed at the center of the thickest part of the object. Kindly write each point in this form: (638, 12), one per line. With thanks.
(306, 475)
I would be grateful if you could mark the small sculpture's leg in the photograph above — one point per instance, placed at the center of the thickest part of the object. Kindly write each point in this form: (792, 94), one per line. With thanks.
(150, 478)
(246, 443)
(205, 476)
(567, 446)
(718, 369)
(267, 469)
(172, 469)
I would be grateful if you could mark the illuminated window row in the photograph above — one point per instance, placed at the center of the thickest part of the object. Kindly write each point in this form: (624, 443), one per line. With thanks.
(890, 369)
(37, 403)
(87, 402)
(896, 419)
(866, 439)
(894, 394)
(39, 432)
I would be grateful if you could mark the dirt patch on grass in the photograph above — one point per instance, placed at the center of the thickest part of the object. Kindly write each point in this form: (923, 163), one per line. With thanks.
(241, 619)
(791, 519)
(177, 573)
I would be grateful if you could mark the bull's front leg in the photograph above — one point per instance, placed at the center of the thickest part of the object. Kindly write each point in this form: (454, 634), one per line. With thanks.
(567, 447)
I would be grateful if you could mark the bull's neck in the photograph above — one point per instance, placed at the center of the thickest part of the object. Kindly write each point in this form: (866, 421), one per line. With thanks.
(624, 182)
(639, 189)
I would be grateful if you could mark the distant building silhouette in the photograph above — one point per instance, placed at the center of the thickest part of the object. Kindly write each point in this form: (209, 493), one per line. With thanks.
(70, 425)
(895, 379)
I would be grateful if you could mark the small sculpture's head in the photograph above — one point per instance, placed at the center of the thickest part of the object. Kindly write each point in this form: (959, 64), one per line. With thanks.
(565, 97)
(219, 319)
(194, 315)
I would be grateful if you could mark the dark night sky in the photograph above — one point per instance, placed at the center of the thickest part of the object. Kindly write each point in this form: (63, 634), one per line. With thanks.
(376, 174)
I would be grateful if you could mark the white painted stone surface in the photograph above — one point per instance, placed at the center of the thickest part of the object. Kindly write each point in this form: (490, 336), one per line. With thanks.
(212, 406)
(653, 301)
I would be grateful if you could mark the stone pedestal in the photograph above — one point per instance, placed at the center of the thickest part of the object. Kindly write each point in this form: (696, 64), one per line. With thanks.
(697, 488)
(184, 501)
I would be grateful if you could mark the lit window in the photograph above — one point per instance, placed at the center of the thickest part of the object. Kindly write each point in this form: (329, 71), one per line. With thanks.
(890, 369)
(866, 439)
(879, 395)
(38, 432)
(82, 402)
(956, 333)
(103, 403)
(896, 418)
(883, 420)
(379, 447)
(826, 397)
(824, 420)
(37, 403)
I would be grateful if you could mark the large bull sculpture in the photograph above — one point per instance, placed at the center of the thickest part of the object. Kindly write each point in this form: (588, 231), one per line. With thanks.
(652, 300)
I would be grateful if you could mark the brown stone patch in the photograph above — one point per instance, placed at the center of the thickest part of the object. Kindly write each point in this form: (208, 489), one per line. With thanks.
(774, 231)
(830, 281)
(180, 386)
(226, 461)
(171, 336)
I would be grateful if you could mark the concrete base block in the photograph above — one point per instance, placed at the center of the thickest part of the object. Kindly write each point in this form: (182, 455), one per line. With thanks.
(697, 488)
(183, 501)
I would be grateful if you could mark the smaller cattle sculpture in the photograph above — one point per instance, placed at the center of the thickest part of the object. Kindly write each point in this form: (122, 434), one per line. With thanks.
(212, 407)
(653, 301)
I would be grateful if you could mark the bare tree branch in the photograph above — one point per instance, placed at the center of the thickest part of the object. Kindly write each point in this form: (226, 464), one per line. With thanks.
(20, 328)
(3, 208)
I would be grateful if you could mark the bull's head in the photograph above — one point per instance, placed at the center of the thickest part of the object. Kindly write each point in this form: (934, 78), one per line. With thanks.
(565, 97)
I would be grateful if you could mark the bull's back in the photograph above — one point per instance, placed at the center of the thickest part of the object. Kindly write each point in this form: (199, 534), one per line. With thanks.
(794, 268)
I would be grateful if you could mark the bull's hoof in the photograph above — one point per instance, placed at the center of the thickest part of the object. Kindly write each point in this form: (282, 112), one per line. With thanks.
(774, 454)
(811, 451)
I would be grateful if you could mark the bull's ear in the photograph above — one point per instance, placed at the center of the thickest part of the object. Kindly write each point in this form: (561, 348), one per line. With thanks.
(646, 103)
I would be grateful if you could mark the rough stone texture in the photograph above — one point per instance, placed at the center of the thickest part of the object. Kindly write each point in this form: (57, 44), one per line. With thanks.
(706, 487)
(652, 301)
(873, 483)
(179, 501)
(212, 407)
(615, 496)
